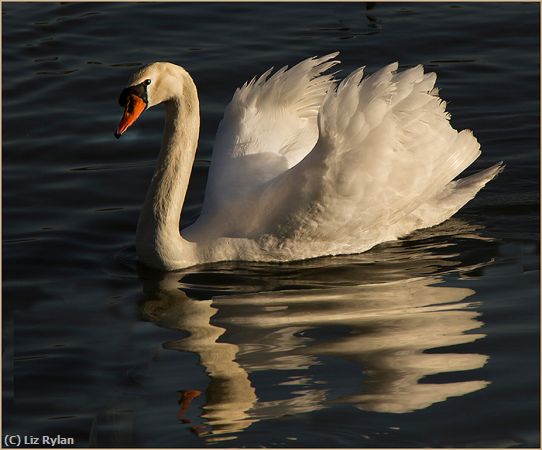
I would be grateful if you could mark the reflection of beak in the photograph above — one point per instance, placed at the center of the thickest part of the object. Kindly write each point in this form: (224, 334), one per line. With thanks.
(134, 107)
(185, 399)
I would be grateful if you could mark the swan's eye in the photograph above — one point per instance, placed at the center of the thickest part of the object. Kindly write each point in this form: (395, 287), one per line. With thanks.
(147, 82)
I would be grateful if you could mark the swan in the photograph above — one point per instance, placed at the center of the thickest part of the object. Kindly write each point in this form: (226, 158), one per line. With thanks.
(303, 165)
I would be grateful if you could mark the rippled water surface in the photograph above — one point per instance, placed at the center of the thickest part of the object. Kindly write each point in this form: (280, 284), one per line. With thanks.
(428, 341)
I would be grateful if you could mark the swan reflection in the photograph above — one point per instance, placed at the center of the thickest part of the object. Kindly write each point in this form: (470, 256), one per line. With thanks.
(389, 335)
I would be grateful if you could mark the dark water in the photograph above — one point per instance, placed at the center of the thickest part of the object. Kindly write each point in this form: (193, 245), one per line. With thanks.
(429, 341)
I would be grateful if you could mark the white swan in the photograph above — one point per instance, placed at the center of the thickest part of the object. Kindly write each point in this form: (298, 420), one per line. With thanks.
(302, 166)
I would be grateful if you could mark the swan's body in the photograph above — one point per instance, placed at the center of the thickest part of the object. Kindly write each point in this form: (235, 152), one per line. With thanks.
(302, 166)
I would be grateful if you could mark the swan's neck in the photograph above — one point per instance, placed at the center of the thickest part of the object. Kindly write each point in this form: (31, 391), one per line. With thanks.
(159, 242)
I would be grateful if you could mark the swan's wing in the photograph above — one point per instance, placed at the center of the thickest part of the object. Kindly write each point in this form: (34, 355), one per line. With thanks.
(385, 148)
(268, 127)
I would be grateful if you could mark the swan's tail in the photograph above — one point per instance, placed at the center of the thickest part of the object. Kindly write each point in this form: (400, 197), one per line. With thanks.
(444, 205)
(479, 179)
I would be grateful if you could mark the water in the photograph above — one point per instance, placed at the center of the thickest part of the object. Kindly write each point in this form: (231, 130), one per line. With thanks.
(429, 341)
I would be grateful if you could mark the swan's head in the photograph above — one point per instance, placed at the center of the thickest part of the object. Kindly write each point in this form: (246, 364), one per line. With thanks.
(151, 85)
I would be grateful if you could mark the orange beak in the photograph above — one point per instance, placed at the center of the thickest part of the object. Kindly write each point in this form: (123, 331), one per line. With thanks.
(134, 107)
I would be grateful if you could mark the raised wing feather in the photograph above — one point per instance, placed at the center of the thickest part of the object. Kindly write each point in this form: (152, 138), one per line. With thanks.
(268, 127)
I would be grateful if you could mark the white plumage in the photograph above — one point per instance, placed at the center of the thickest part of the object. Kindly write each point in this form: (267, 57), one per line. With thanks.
(304, 166)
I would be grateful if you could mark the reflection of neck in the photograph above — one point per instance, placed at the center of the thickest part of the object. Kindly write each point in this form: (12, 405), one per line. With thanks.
(229, 395)
(158, 238)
